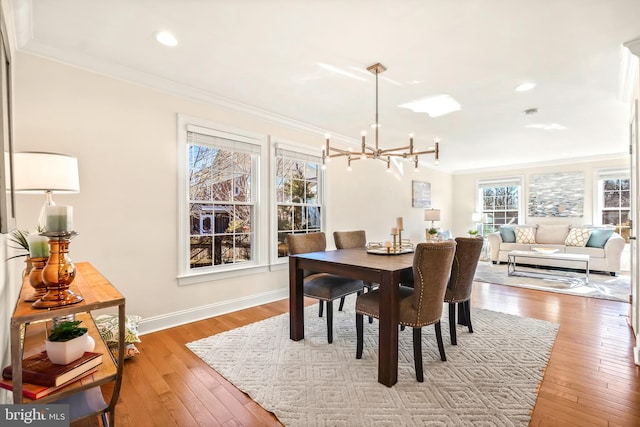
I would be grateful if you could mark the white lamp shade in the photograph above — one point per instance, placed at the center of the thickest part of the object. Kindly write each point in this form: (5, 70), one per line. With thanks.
(476, 217)
(432, 214)
(38, 172)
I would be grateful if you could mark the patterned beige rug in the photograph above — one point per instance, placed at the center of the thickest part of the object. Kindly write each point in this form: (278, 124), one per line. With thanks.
(603, 286)
(490, 378)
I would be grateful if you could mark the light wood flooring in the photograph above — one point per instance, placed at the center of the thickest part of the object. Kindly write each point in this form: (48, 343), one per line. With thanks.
(590, 379)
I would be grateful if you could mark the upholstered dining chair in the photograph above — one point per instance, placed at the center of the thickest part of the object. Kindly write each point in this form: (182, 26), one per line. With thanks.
(348, 240)
(459, 288)
(418, 306)
(322, 286)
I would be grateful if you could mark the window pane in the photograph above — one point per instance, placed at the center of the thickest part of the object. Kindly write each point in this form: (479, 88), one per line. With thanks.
(611, 184)
(610, 217)
(242, 188)
(298, 219)
(200, 252)
(285, 218)
(624, 184)
(625, 200)
(612, 199)
(312, 192)
(313, 217)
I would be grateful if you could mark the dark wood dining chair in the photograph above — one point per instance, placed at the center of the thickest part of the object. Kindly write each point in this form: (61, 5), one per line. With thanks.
(418, 306)
(322, 286)
(460, 284)
(348, 240)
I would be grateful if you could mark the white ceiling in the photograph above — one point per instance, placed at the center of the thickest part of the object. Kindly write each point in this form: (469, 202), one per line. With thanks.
(267, 54)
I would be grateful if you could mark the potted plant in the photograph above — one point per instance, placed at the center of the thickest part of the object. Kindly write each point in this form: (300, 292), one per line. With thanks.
(67, 342)
(432, 233)
(473, 233)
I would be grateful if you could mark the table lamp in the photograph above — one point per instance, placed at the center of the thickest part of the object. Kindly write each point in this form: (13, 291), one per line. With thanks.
(432, 215)
(48, 173)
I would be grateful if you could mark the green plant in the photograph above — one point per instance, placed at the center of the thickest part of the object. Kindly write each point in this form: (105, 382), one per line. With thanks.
(66, 331)
(473, 232)
(433, 231)
(18, 240)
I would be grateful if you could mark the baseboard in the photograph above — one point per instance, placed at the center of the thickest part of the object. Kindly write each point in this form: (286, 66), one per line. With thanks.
(177, 318)
(636, 355)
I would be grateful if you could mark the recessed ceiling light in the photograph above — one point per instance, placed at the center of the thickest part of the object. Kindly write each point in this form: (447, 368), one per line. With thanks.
(166, 38)
(434, 106)
(523, 87)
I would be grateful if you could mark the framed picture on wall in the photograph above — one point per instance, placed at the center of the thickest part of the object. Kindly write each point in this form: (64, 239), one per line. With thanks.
(420, 194)
(7, 201)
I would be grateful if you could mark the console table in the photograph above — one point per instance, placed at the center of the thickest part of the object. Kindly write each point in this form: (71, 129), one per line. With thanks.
(26, 340)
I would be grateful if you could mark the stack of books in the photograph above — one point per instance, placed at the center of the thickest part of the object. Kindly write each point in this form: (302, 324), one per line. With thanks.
(41, 377)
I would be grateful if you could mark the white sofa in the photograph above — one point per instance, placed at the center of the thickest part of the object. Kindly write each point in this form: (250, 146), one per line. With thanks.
(604, 246)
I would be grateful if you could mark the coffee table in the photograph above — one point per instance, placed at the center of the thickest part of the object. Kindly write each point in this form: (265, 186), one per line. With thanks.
(513, 256)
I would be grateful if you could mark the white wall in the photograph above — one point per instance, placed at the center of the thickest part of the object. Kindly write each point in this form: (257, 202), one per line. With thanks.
(466, 196)
(124, 136)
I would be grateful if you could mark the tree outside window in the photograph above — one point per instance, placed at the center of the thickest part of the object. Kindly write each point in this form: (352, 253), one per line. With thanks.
(221, 210)
(616, 204)
(500, 205)
(297, 199)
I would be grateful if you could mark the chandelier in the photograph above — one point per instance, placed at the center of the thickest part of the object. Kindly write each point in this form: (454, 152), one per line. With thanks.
(375, 152)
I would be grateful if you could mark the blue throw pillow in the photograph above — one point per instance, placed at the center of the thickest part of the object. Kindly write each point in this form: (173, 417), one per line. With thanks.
(599, 237)
(508, 235)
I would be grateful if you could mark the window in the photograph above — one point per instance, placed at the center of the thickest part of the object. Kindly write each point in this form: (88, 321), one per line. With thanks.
(298, 194)
(221, 186)
(499, 202)
(614, 198)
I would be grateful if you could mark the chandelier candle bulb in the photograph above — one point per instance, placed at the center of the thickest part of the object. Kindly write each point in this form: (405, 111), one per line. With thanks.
(59, 218)
(38, 246)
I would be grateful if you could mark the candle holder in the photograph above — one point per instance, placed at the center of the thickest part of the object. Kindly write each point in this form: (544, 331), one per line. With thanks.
(35, 279)
(59, 272)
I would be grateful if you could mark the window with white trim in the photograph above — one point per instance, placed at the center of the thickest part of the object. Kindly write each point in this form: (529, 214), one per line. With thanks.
(614, 200)
(222, 185)
(500, 202)
(298, 194)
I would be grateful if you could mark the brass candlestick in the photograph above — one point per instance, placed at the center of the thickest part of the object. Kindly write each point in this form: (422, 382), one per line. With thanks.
(58, 273)
(35, 279)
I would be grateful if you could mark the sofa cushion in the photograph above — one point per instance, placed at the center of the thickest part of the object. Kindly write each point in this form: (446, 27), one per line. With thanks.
(552, 233)
(592, 252)
(508, 247)
(599, 237)
(507, 234)
(578, 237)
(525, 235)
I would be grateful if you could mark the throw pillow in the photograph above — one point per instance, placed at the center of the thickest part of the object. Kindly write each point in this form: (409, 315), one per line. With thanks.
(507, 234)
(599, 237)
(525, 235)
(578, 237)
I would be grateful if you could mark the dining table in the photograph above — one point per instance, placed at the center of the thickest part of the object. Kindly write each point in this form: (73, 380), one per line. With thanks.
(387, 270)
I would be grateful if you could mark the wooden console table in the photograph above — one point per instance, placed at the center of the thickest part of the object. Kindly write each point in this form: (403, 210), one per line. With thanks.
(98, 293)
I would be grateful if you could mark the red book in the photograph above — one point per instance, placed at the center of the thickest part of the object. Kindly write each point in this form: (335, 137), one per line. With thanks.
(35, 391)
(38, 369)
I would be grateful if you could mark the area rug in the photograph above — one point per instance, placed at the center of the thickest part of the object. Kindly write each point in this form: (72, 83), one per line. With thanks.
(603, 286)
(490, 378)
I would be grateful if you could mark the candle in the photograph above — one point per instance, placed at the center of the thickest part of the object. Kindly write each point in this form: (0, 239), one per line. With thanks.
(399, 222)
(59, 218)
(387, 244)
(38, 246)
(394, 231)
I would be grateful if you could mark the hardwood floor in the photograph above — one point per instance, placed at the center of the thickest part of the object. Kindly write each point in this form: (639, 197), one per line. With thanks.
(590, 379)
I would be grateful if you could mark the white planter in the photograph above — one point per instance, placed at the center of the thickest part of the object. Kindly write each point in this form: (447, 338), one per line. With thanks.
(65, 352)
